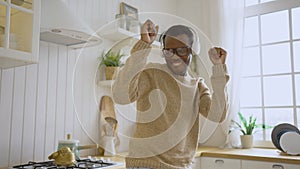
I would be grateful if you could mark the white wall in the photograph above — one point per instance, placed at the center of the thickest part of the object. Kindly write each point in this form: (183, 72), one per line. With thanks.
(36, 101)
(197, 12)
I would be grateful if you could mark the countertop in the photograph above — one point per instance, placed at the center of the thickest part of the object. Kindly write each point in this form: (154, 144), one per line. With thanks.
(258, 154)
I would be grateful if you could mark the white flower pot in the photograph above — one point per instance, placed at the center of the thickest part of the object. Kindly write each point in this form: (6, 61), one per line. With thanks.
(247, 141)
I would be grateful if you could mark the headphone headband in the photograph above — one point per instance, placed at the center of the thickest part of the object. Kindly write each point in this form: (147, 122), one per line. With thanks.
(195, 45)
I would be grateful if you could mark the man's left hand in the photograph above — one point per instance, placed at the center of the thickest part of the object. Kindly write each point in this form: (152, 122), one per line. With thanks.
(217, 55)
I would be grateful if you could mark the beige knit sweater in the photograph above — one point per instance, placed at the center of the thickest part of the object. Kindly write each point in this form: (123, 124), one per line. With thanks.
(168, 107)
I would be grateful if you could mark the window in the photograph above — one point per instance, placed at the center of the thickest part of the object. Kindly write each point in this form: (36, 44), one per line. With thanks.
(270, 84)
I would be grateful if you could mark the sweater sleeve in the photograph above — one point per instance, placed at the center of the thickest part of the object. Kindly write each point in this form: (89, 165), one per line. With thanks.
(125, 86)
(214, 107)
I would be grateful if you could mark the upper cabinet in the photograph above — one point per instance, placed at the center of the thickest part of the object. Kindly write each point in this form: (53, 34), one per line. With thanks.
(19, 32)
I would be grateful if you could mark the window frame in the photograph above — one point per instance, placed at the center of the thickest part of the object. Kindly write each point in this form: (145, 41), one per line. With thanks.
(258, 10)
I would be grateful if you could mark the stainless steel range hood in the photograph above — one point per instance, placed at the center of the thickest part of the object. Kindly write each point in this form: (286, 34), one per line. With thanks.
(59, 25)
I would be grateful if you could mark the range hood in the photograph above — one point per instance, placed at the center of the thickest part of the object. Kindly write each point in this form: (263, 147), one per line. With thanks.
(59, 25)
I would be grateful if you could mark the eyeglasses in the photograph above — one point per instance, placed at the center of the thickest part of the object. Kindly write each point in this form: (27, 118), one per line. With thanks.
(181, 52)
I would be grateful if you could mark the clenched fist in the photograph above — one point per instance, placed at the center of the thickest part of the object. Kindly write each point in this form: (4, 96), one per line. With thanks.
(217, 55)
(149, 31)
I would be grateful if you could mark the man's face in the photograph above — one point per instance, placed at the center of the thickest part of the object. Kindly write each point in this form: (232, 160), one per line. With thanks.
(178, 53)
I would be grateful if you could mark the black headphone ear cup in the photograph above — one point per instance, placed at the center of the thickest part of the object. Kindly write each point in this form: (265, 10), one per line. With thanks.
(161, 39)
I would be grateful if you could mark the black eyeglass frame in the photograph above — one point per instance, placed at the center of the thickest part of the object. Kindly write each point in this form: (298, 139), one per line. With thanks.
(175, 50)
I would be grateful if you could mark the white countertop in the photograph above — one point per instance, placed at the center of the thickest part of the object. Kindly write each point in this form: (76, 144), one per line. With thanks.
(257, 154)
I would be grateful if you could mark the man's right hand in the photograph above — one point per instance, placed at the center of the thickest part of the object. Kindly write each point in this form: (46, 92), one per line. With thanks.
(149, 31)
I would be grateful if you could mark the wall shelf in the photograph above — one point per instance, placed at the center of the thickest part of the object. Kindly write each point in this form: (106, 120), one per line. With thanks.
(105, 83)
(103, 87)
(120, 34)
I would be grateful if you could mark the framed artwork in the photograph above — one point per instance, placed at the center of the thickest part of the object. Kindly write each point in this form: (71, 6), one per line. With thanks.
(129, 11)
(131, 20)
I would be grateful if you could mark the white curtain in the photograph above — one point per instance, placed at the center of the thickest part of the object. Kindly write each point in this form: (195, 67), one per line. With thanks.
(223, 23)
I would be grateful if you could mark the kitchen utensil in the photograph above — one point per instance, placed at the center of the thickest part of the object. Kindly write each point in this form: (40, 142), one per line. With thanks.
(109, 146)
(74, 146)
(289, 142)
(107, 107)
(279, 130)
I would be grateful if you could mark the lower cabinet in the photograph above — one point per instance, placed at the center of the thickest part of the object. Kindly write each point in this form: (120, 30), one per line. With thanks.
(267, 165)
(226, 163)
(218, 163)
(196, 163)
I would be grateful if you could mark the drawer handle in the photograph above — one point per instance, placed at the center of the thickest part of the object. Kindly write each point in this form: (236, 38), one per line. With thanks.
(277, 166)
(219, 161)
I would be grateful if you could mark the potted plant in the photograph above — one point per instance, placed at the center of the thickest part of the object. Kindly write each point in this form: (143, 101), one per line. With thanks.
(247, 128)
(112, 61)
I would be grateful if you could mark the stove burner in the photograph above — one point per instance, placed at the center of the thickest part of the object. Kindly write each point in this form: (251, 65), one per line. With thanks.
(89, 164)
(80, 164)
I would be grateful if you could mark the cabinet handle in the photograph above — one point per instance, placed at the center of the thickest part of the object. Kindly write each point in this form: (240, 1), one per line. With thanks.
(219, 161)
(277, 166)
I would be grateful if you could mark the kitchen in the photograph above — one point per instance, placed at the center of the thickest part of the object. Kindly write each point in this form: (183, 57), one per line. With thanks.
(41, 103)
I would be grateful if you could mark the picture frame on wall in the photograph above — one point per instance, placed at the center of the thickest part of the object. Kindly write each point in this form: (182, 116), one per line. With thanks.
(129, 11)
(130, 15)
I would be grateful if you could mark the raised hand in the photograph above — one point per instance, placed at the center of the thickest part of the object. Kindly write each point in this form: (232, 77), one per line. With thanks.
(149, 31)
(217, 55)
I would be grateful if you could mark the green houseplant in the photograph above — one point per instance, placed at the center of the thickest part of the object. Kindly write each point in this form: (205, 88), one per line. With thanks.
(247, 128)
(112, 61)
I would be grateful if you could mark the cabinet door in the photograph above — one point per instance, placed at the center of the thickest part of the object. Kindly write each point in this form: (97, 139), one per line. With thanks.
(196, 163)
(219, 163)
(19, 32)
(267, 165)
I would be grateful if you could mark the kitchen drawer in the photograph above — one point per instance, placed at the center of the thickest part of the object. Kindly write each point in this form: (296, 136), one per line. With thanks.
(219, 163)
(267, 165)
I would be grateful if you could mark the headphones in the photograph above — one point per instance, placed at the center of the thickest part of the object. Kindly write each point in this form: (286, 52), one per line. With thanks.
(196, 42)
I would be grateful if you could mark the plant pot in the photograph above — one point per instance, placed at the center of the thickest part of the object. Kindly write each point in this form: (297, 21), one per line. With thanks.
(110, 72)
(247, 141)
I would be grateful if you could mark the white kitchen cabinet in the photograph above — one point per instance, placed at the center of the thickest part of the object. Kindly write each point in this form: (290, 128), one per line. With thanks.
(219, 163)
(247, 164)
(196, 163)
(19, 32)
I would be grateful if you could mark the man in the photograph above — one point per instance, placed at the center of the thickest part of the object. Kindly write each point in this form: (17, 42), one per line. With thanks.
(168, 100)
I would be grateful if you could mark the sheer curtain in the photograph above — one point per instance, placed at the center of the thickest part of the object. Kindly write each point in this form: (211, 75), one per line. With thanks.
(224, 25)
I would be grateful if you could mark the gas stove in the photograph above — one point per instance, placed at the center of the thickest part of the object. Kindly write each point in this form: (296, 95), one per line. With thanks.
(80, 164)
